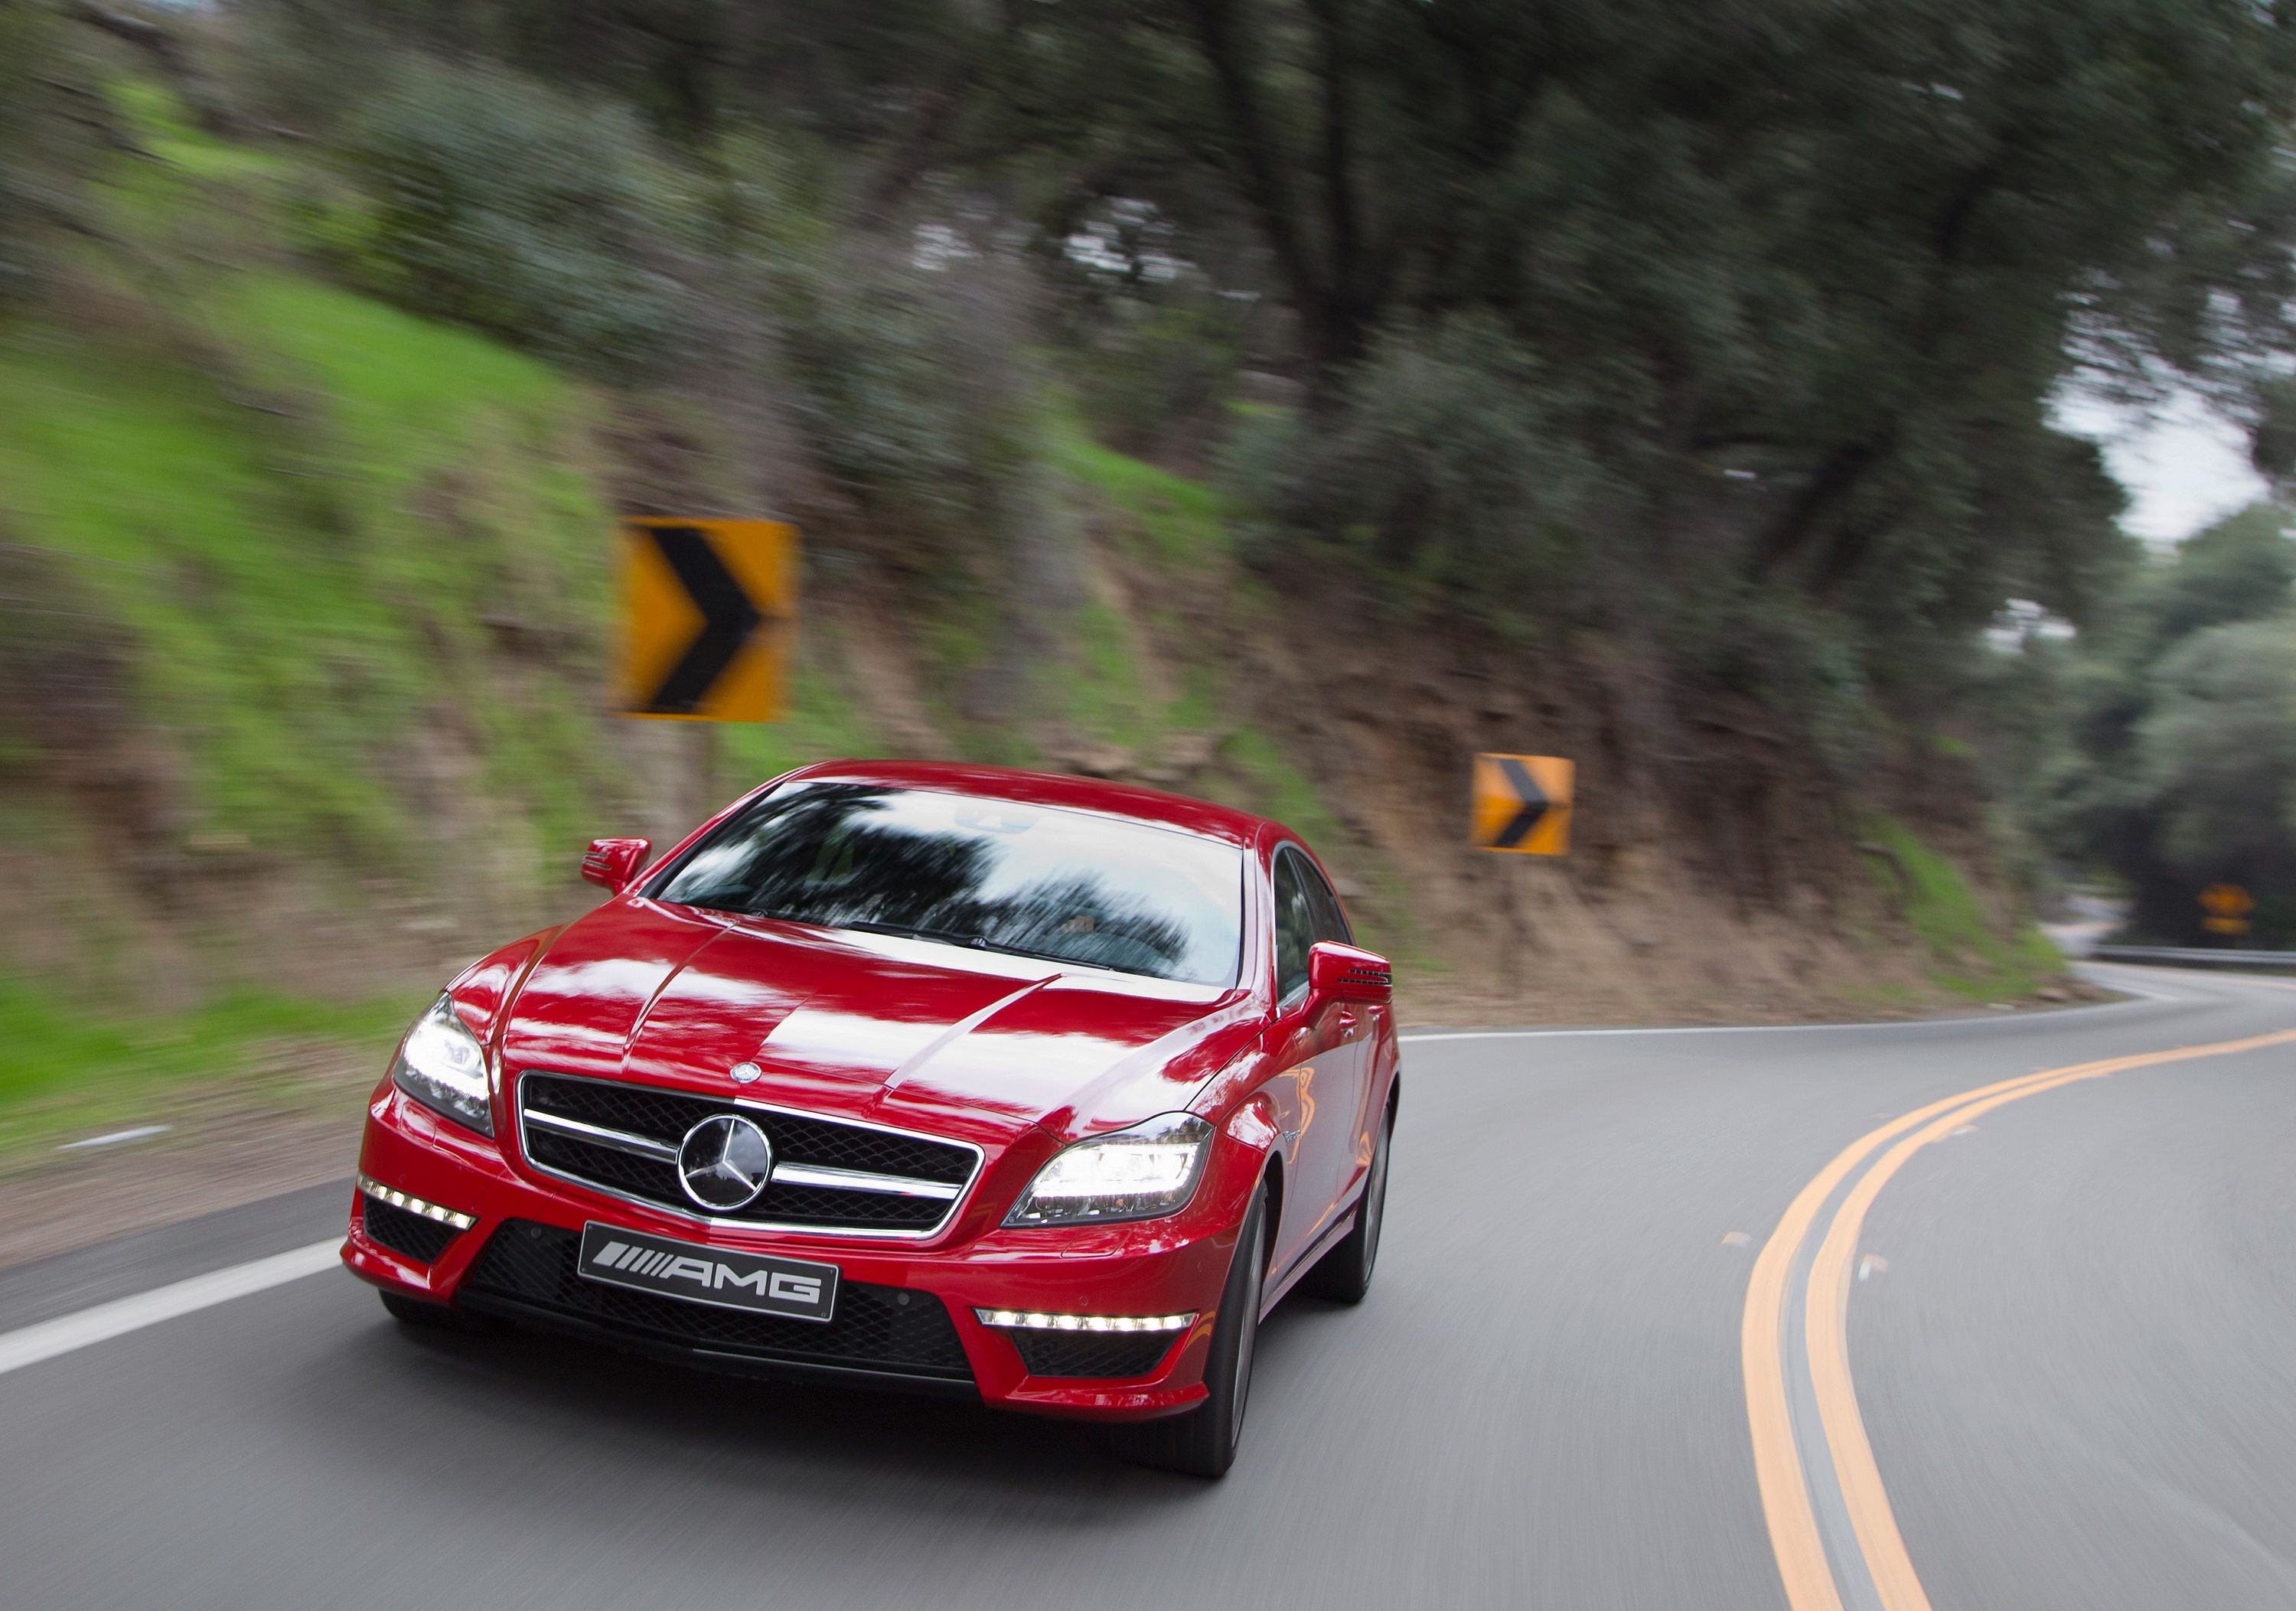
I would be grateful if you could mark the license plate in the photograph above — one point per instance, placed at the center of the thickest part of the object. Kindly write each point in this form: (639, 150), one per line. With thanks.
(795, 1289)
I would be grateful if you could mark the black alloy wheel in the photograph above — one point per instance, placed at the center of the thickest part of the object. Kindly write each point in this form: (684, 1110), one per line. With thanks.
(1343, 1275)
(1202, 1442)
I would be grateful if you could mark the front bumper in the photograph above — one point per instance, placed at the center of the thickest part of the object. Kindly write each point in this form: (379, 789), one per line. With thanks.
(515, 1259)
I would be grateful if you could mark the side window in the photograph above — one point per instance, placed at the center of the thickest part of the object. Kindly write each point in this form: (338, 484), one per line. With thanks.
(1295, 922)
(1330, 922)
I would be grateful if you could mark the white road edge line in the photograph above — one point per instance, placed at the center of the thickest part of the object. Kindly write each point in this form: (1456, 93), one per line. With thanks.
(2054, 1014)
(116, 1138)
(30, 1344)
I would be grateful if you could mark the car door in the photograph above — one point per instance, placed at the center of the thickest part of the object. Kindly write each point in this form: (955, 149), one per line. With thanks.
(1323, 1047)
(1349, 1073)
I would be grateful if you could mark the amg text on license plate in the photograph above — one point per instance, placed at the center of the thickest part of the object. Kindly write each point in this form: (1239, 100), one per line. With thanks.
(758, 1283)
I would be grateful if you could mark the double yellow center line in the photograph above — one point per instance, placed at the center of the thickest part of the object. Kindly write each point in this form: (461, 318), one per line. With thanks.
(1809, 1581)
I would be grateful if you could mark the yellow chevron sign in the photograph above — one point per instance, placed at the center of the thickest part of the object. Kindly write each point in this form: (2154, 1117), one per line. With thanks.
(2227, 905)
(1522, 803)
(707, 606)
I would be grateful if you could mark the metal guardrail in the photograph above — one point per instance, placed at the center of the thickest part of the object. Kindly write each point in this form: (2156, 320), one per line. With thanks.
(2164, 956)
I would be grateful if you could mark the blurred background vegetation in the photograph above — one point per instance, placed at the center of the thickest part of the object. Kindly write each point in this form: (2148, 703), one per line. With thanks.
(1275, 399)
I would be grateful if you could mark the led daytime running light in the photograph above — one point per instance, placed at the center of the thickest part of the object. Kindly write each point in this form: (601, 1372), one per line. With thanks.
(413, 1205)
(1024, 1320)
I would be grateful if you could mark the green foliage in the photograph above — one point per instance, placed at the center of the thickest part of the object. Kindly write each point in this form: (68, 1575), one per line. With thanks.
(276, 618)
(1185, 521)
(56, 1044)
(1969, 956)
(2217, 749)
(2181, 765)
(491, 200)
(1439, 470)
(688, 66)
(1154, 370)
(1105, 696)
(73, 1068)
(1781, 654)
(2241, 569)
(159, 122)
(908, 383)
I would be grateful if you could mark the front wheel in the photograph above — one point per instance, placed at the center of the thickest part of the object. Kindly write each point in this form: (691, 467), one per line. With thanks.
(1343, 1275)
(1202, 1442)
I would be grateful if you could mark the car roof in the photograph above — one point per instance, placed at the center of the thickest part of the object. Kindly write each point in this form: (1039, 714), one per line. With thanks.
(1197, 816)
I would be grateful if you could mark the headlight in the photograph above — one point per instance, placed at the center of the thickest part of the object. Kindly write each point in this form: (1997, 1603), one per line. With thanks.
(1130, 1174)
(442, 1065)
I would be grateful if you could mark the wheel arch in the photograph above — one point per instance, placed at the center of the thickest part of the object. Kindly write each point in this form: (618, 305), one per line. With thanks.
(1271, 1176)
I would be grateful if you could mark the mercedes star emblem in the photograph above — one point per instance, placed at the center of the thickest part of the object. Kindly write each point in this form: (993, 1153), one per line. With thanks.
(724, 1161)
(742, 1073)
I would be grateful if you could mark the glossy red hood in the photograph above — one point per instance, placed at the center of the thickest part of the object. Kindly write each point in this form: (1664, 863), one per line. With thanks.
(972, 1045)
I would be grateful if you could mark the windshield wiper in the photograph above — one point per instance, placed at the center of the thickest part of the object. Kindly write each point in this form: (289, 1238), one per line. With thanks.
(980, 944)
(904, 931)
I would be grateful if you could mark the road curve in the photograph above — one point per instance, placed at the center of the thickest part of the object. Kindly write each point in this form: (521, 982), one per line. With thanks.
(2071, 1329)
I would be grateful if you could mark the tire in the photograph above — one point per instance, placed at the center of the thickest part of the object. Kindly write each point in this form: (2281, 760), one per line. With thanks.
(1202, 1442)
(1343, 1275)
(439, 1317)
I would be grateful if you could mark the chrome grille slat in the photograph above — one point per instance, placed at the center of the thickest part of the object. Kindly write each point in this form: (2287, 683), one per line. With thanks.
(815, 1197)
(620, 1140)
(857, 1179)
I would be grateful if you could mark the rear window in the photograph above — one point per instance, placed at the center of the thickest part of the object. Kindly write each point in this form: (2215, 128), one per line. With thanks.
(1038, 881)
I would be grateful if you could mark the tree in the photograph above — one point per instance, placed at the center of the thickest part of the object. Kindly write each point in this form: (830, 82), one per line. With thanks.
(2182, 770)
(1849, 256)
(2218, 754)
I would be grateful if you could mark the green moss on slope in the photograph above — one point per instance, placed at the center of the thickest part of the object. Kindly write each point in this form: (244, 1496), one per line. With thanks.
(1968, 956)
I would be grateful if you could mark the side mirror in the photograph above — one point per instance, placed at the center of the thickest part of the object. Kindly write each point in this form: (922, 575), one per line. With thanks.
(614, 862)
(1348, 972)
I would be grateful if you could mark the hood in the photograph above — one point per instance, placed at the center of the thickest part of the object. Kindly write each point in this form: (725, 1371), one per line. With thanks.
(974, 1044)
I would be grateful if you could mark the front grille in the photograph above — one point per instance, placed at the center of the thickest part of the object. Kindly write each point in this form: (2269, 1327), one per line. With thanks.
(411, 1235)
(887, 1328)
(1099, 1353)
(665, 1117)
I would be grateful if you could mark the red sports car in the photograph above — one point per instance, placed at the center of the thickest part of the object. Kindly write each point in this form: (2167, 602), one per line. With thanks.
(933, 1077)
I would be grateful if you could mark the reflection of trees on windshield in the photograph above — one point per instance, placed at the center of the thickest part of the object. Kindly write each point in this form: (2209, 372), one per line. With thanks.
(831, 854)
(817, 859)
(1078, 919)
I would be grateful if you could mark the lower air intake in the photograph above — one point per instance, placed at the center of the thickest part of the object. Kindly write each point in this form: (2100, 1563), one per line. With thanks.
(410, 1235)
(879, 1328)
(1093, 1354)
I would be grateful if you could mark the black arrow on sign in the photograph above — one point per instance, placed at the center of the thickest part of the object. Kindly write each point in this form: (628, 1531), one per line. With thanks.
(728, 618)
(1526, 815)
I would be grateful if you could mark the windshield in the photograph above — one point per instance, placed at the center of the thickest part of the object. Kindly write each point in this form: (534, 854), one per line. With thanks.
(1068, 886)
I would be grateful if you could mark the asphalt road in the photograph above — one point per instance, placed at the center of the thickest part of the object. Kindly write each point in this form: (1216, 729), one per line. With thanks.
(2073, 1337)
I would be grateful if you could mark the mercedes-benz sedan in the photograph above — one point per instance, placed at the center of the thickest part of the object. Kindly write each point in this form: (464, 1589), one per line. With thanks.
(929, 1077)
